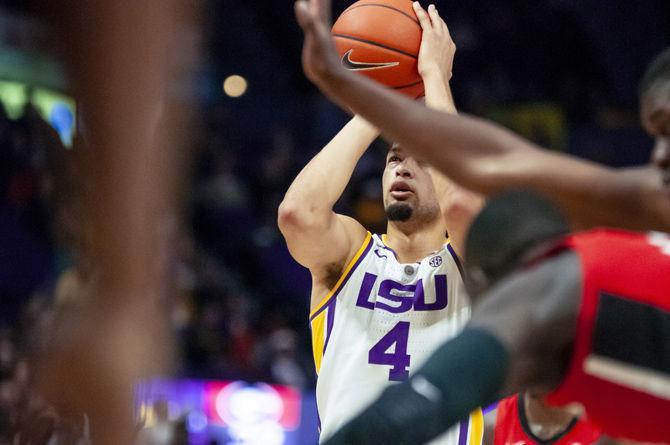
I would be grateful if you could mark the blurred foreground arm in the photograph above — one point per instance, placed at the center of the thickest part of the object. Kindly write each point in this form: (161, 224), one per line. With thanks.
(479, 155)
(124, 69)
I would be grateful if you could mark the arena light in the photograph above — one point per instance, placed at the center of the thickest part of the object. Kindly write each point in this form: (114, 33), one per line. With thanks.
(235, 86)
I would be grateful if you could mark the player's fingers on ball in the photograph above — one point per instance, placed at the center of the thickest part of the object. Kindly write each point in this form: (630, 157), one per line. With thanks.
(434, 18)
(424, 20)
(432, 12)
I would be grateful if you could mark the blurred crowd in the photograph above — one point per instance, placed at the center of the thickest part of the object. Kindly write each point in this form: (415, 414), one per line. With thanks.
(235, 313)
(37, 242)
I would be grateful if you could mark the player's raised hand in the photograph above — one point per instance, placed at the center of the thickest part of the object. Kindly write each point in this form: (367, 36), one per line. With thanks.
(319, 57)
(436, 55)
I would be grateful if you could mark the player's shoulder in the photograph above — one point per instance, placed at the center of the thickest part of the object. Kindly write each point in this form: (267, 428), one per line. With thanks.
(356, 234)
(350, 237)
(360, 241)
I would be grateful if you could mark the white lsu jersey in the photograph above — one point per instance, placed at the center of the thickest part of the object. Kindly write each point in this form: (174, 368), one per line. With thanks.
(379, 324)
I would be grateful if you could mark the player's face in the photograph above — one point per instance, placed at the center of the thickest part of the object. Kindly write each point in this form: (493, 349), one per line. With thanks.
(656, 120)
(408, 187)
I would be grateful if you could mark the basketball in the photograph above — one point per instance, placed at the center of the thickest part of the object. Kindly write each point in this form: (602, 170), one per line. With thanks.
(381, 40)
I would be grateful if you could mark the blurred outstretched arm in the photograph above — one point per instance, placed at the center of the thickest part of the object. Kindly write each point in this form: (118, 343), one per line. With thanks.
(480, 155)
(124, 66)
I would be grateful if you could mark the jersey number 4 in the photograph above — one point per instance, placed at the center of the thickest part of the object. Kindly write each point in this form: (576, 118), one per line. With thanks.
(398, 359)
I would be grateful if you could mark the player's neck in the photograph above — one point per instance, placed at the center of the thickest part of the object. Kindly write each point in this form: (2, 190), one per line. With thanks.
(413, 246)
(544, 421)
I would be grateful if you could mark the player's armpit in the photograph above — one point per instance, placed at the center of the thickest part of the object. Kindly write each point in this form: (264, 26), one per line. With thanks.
(324, 250)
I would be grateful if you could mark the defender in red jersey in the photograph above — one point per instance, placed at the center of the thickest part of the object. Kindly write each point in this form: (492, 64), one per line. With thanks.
(614, 371)
(584, 318)
(524, 419)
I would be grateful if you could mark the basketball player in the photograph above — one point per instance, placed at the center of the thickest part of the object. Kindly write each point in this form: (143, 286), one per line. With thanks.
(492, 159)
(488, 159)
(381, 304)
(525, 419)
(584, 318)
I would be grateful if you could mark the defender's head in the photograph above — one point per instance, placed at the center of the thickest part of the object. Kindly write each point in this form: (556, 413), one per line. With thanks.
(409, 193)
(655, 111)
(512, 229)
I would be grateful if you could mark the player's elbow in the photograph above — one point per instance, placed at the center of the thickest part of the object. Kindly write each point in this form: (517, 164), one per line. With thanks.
(288, 216)
(294, 217)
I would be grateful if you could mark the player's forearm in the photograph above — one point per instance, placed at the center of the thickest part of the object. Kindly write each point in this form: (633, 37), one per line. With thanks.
(488, 159)
(321, 183)
(468, 150)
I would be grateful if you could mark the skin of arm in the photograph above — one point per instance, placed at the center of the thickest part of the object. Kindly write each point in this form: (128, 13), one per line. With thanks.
(317, 237)
(436, 57)
(481, 156)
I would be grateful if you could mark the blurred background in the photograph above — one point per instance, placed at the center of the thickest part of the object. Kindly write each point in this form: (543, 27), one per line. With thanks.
(563, 73)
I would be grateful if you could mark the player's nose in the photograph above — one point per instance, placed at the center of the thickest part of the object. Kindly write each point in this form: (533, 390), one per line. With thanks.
(403, 172)
(661, 154)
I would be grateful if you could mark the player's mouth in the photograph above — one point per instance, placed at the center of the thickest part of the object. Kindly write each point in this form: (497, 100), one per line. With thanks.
(400, 190)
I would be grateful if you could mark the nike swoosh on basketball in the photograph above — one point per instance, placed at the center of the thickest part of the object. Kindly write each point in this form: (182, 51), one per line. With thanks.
(364, 66)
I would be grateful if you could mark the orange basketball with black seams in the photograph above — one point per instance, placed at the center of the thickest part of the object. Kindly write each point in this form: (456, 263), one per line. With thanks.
(381, 39)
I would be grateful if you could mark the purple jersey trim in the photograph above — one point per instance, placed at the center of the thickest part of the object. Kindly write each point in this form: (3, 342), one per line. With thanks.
(330, 321)
(490, 408)
(456, 260)
(463, 432)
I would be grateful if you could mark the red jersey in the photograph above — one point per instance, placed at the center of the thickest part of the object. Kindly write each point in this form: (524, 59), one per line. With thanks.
(620, 368)
(512, 428)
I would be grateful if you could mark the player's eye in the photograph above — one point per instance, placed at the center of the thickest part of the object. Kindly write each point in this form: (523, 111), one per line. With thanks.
(393, 159)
